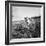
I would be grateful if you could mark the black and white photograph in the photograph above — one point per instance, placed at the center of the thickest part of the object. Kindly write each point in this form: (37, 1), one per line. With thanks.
(25, 22)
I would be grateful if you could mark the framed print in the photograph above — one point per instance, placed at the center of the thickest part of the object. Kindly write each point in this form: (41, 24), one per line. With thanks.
(24, 22)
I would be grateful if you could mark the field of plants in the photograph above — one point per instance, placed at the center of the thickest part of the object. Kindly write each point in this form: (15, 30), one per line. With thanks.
(27, 28)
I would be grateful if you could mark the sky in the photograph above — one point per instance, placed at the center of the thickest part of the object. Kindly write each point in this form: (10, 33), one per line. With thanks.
(19, 13)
